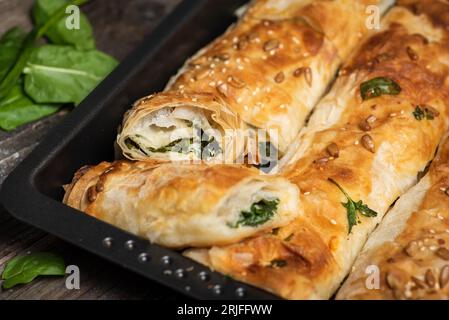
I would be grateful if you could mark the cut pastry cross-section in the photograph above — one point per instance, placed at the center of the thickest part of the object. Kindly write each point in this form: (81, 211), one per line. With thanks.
(184, 205)
(265, 73)
(363, 147)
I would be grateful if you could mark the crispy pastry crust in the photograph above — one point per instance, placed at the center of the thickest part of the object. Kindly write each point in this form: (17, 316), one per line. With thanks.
(268, 71)
(316, 249)
(179, 205)
(410, 246)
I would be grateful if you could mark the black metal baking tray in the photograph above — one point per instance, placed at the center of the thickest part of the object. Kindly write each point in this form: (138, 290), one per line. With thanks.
(33, 192)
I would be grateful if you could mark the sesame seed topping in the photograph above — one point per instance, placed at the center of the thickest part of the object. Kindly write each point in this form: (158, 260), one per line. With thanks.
(212, 84)
(393, 114)
(245, 107)
(306, 193)
(333, 221)
(296, 40)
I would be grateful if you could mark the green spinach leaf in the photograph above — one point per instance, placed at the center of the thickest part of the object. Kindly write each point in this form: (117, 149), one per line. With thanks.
(24, 269)
(379, 86)
(81, 38)
(10, 45)
(17, 109)
(62, 74)
(13, 75)
(260, 212)
(352, 207)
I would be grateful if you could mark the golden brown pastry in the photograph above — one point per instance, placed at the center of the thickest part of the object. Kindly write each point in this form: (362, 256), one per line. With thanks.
(407, 256)
(184, 205)
(363, 147)
(266, 72)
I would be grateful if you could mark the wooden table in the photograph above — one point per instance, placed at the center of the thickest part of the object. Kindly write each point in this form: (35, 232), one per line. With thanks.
(119, 27)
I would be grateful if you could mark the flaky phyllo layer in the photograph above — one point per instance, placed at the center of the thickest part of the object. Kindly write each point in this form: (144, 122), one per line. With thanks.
(266, 72)
(297, 233)
(363, 147)
(183, 206)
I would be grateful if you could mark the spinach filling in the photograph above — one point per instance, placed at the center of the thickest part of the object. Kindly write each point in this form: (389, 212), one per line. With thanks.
(208, 148)
(259, 213)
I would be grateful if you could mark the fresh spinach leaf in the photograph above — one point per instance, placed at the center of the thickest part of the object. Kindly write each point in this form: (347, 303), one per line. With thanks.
(17, 109)
(353, 207)
(24, 269)
(260, 212)
(379, 86)
(10, 45)
(13, 75)
(278, 263)
(59, 33)
(62, 74)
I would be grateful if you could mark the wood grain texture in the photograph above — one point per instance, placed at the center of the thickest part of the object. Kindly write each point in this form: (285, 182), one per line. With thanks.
(119, 27)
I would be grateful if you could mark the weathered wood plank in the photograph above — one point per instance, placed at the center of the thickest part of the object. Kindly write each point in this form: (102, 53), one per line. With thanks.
(119, 26)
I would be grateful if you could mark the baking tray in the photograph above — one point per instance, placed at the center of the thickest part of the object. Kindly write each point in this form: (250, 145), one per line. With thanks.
(33, 192)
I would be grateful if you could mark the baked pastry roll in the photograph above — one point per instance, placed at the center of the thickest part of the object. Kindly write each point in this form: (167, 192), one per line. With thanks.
(184, 205)
(363, 147)
(407, 256)
(266, 72)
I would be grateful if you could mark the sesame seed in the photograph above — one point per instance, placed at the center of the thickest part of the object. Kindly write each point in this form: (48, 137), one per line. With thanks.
(270, 32)
(194, 99)
(245, 107)
(440, 216)
(282, 106)
(240, 67)
(212, 84)
(223, 70)
(393, 114)
(296, 40)
(239, 99)
(432, 231)
(356, 142)
(333, 221)
(306, 193)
